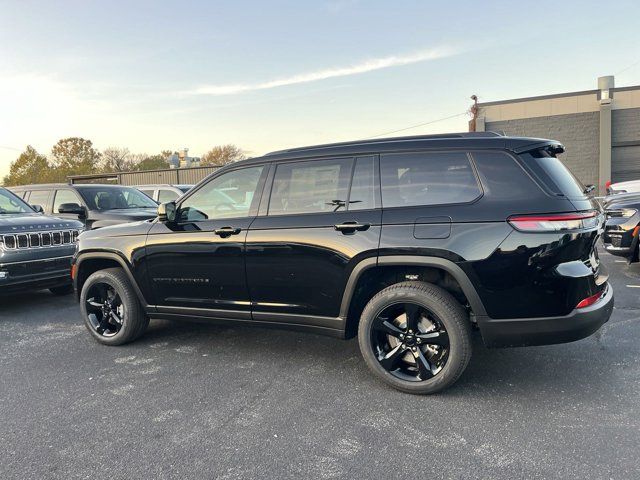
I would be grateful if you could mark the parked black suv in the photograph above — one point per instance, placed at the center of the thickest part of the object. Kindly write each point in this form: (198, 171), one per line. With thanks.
(407, 242)
(35, 250)
(95, 205)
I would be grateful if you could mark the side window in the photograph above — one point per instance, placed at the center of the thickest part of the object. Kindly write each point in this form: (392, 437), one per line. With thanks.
(363, 188)
(148, 193)
(228, 196)
(64, 196)
(502, 178)
(166, 196)
(310, 187)
(425, 178)
(39, 197)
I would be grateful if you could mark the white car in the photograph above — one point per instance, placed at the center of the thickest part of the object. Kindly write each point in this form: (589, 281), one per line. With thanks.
(632, 186)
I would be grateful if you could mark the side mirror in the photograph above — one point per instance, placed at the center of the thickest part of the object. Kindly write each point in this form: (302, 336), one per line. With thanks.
(72, 208)
(38, 208)
(167, 212)
(589, 188)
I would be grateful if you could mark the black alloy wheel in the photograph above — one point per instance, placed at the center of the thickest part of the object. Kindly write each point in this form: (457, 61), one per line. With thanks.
(111, 309)
(105, 311)
(410, 342)
(416, 337)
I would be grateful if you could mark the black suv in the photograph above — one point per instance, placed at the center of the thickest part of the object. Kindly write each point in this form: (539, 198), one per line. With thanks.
(35, 250)
(407, 242)
(94, 205)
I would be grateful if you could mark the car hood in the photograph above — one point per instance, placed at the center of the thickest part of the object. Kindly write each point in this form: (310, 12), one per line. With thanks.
(630, 202)
(23, 222)
(119, 230)
(132, 214)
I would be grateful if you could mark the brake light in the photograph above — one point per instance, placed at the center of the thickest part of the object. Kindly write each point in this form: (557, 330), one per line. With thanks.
(556, 222)
(587, 302)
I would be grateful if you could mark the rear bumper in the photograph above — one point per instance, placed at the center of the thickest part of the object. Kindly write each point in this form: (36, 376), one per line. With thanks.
(523, 332)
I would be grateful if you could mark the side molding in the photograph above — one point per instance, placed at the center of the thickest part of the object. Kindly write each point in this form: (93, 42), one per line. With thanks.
(392, 260)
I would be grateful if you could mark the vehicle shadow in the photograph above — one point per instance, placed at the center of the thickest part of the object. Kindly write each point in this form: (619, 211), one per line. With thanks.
(533, 372)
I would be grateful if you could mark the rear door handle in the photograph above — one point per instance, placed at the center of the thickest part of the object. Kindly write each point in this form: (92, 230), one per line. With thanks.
(225, 232)
(351, 227)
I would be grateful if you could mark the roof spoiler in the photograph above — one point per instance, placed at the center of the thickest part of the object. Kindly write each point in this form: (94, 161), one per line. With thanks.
(550, 146)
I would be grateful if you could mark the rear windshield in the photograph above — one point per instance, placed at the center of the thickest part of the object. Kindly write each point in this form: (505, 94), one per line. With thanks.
(554, 175)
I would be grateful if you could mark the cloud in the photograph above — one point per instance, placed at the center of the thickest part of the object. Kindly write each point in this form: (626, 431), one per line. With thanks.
(355, 69)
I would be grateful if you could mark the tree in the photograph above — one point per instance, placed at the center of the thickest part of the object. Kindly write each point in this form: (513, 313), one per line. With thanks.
(75, 156)
(153, 162)
(29, 167)
(222, 155)
(116, 159)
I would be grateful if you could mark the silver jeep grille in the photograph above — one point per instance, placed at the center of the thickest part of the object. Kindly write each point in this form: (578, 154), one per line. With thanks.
(22, 241)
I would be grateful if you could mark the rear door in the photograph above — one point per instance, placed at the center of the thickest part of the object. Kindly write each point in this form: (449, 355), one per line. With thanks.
(321, 219)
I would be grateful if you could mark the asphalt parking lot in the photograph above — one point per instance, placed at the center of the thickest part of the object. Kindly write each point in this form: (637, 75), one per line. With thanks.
(200, 401)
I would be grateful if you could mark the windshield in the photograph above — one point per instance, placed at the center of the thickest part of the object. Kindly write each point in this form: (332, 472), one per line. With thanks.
(9, 204)
(112, 198)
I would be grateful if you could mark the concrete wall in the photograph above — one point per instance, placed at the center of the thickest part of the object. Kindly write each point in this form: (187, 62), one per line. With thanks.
(578, 132)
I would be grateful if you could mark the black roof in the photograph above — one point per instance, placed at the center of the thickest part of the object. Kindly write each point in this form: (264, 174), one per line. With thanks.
(465, 140)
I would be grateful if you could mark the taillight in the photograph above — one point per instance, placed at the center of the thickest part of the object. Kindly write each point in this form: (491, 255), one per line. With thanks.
(555, 222)
(587, 302)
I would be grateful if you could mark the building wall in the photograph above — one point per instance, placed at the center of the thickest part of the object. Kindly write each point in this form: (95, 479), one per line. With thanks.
(625, 139)
(578, 132)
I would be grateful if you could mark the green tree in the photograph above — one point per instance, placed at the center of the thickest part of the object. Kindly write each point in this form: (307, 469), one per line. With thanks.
(152, 162)
(75, 156)
(222, 155)
(29, 167)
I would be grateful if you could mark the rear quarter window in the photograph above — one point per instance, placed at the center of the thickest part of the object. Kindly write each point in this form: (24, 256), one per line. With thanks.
(427, 178)
(553, 174)
(502, 178)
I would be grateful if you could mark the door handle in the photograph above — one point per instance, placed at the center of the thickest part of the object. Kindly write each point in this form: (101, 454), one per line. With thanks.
(225, 232)
(351, 227)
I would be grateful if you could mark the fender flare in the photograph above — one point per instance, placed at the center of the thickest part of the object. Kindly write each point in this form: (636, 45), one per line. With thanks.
(118, 258)
(413, 260)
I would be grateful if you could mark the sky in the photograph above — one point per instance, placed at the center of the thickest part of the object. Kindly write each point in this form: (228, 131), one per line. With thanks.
(267, 75)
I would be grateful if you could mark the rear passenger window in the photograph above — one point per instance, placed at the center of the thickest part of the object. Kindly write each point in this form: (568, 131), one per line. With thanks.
(502, 178)
(427, 179)
(363, 189)
(310, 187)
(39, 197)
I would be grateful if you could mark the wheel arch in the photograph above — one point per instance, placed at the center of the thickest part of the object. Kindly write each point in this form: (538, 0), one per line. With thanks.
(90, 262)
(360, 271)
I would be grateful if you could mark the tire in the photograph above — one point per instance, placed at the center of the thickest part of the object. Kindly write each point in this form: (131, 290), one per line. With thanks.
(133, 320)
(62, 290)
(446, 319)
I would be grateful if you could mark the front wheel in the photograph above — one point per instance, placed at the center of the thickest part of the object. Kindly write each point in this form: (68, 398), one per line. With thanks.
(416, 337)
(110, 308)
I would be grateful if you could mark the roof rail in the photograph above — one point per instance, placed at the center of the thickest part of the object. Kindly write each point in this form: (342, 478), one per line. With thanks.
(438, 136)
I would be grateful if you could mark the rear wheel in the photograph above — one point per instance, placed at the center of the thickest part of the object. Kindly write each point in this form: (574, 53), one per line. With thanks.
(110, 308)
(416, 337)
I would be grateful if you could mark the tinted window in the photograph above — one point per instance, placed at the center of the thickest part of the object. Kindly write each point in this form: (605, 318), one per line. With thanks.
(111, 198)
(552, 173)
(10, 203)
(310, 187)
(166, 196)
(363, 185)
(427, 179)
(228, 196)
(39, 197)
(502, 178)
(65, 196)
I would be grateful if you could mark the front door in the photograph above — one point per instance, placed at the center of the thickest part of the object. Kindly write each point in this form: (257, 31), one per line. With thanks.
(319, 224)
(197, 263)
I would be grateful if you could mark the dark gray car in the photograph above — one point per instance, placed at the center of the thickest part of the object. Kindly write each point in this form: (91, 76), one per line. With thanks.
(35, 249)
(94, 205)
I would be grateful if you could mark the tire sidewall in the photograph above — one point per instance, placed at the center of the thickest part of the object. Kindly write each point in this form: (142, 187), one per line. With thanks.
(458, 337)
(126, 295)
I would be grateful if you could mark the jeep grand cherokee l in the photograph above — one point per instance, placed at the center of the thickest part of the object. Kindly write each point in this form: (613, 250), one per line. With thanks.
(407, 243)
(35, 250)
